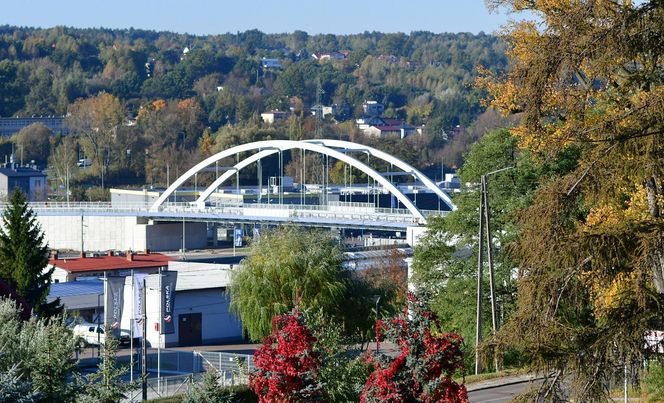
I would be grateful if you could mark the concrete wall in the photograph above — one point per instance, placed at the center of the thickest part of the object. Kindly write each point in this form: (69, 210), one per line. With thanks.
(102, 233)
(168, 236)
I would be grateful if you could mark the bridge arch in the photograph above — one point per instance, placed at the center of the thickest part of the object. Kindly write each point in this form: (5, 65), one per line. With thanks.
(281, 145)
(392, 160)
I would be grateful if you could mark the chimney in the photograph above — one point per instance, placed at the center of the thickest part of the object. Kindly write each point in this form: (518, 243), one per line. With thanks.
(109, 253)
(82, 254)
(130, 256)
(147, 251)
(54, 254)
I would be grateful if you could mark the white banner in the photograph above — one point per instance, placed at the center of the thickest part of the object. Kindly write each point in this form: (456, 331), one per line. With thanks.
(138, 304)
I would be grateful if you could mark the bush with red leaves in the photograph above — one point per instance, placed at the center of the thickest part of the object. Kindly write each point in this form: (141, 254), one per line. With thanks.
(424, 368)
(287, 367)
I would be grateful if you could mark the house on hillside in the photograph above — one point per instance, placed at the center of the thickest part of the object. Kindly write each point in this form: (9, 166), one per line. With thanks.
(320, 56)
(380, 127)
(373, 108)
(270, 63)
(274, 116)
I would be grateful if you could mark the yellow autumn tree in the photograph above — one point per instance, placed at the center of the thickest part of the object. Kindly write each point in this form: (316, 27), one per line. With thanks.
(587, 78)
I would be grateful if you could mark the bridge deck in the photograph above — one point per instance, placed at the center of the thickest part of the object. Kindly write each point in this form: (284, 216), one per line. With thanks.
(356, 215)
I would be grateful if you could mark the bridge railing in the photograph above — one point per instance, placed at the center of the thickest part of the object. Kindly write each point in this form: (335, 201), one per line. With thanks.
(337, 211)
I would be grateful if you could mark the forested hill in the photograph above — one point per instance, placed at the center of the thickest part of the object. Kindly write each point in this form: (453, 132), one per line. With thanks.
(422, 78)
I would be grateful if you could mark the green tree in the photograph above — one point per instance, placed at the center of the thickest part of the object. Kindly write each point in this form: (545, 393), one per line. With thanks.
(13, 388)
(34, 143)
(106, 384)
(588, 74)
(24, 255)
(210, 390)
(286, 263)
(40, 350)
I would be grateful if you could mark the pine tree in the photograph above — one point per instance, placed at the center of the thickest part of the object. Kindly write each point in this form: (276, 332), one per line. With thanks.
(106, 385)
(24, 255)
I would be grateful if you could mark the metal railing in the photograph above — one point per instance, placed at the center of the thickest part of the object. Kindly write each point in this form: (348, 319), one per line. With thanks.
(360, 212)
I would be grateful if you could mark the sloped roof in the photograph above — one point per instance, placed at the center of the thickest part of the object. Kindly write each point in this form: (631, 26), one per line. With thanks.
(104, 263)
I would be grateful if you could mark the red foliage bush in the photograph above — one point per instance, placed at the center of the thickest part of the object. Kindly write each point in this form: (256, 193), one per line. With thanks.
(287, 367)
(424, 368)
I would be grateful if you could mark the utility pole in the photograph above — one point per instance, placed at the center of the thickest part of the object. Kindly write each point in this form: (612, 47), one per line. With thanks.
(319, 109)
(485, 225)
(480, 267)
(144, 348)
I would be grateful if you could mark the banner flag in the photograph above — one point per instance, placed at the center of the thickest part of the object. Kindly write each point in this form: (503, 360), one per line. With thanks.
(114, 301)
(168, 280)
(237, 237)
(138, 304)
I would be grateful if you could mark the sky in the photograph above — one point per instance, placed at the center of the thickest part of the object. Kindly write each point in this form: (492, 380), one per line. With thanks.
(203, 17)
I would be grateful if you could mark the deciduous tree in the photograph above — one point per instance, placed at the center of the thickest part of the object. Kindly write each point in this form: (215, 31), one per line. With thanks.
(588, 74)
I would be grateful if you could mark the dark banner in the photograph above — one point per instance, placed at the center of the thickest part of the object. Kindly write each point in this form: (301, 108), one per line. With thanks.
(168, 280)
(114, 301)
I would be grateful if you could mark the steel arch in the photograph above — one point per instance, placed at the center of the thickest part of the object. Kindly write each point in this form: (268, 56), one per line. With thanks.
(392, 160)
(286, 145)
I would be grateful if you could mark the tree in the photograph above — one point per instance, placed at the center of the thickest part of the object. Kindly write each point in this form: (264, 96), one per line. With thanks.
(287, 367)
(284, 262)
(13, 388)
(209, 390)
(106, 384)
(588, 75)
(96, 120)
(427, 361)
(62, 162)
(24, 255)
(38, 350)
(445, 261)
(34, 143)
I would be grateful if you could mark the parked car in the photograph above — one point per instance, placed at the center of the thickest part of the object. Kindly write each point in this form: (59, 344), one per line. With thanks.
(92, 334)
(84, 162)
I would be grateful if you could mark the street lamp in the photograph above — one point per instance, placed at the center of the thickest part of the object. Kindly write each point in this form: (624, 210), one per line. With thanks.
(485, 224)
(377, 300)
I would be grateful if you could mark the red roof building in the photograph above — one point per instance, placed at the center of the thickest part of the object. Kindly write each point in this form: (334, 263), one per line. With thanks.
(70, 269)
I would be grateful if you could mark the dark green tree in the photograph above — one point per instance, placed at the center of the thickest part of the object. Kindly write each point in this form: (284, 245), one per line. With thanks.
(106, 384)
(24, 255)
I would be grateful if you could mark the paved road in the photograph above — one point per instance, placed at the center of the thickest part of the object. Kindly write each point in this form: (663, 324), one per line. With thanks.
(498, 394)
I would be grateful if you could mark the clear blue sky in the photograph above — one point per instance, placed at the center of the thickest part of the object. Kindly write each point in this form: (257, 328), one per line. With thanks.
(221, 16)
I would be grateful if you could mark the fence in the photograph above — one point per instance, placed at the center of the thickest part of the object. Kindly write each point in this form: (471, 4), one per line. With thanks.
(233, 369)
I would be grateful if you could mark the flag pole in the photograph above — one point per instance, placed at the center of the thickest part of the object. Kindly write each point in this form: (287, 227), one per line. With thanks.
(131, 330)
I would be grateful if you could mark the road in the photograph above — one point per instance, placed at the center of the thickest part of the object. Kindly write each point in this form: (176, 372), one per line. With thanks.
(498, 394)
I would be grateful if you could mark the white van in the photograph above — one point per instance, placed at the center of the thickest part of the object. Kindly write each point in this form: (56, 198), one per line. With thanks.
(91, 334)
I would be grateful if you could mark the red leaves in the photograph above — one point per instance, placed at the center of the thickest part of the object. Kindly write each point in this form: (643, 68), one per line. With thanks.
(424, 368)
(287, 368)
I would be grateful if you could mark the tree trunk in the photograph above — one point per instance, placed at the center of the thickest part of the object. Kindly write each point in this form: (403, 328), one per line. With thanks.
(656, 258)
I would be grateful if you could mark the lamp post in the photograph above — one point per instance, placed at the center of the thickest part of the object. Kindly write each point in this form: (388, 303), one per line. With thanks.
(377, 298)
(485, 224)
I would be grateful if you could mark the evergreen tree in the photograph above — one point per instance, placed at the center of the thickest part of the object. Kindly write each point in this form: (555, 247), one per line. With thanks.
(24, 255)
(106, 384)
(13, 388)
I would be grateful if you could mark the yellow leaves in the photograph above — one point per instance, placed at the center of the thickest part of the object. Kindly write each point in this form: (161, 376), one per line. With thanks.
(608, 217)
(603, 216)
(608, 297)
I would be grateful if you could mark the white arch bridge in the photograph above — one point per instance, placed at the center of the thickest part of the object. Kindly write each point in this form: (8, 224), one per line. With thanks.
(326, 214)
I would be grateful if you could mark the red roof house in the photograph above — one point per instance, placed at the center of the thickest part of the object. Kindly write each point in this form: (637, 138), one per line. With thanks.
(70, 269)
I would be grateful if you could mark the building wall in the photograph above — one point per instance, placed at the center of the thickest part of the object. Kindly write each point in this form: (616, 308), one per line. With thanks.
(218, 324)
(168, 236)
(102, 233)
